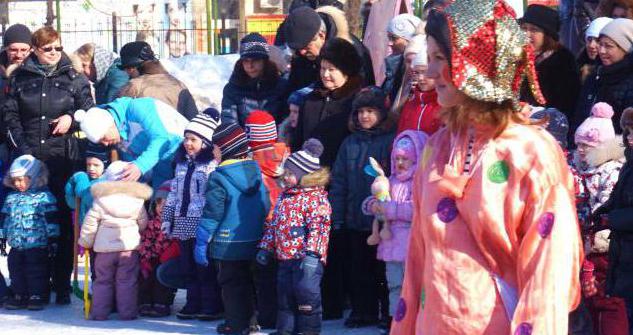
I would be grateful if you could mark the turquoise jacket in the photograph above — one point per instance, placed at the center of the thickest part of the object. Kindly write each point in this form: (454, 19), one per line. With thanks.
(236, 206)
(78, 186)
(151, 131)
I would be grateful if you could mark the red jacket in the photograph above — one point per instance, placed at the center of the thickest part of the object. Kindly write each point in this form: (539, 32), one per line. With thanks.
(301, 223)
(420, 112)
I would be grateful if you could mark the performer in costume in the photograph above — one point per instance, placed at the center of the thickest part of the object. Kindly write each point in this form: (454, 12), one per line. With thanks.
(495, 245)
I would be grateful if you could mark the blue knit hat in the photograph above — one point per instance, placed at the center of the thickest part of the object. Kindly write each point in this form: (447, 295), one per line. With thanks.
(298, 97)
(254, 46)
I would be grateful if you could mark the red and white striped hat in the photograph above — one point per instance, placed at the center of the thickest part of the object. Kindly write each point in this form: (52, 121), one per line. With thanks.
(261, 130)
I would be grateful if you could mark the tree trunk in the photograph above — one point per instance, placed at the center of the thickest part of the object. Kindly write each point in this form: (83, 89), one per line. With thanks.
(353, 17)
(50, 13)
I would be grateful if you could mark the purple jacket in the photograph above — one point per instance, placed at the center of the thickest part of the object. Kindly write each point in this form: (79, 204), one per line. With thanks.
(399, 211)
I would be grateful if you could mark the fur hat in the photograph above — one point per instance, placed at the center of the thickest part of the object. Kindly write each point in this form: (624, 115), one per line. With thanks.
(371, 96)
(231, 140)
(598, 128)
(404, 26)
(306, 160)
(204, 124)
(261, 130)
(94, 123)
(489, 53)
(543, 17)
(342, 55)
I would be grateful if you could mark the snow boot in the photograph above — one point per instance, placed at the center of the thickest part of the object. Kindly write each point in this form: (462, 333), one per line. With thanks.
(16, 302)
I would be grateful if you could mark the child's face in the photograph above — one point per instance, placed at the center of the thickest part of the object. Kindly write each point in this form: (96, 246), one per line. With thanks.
(192, 144)
(94, 167)
(582, 150)
(368, 117)
(418, 75)
(21, 183)
(289, 179)
(294, 115)
(160, 203)
(403, 164)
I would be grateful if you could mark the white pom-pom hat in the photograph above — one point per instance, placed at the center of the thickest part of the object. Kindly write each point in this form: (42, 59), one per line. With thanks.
(94, 123)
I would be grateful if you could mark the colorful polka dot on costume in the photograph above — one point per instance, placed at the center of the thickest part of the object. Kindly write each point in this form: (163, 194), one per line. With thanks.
(499, 172)
(545, 224)
(401, 311)
(524, 329)
(447, 210)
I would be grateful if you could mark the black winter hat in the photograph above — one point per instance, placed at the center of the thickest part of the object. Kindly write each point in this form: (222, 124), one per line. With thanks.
(17, 33)
(99, 152)
(301, 26)
(343, 55)
(135, 53)
(371, 96)
(543, 17)
(254, 46)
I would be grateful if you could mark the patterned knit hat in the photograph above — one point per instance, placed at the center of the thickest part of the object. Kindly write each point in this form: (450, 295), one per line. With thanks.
(231, 139)
(261, 130)
(306, 160)
(254, 46)
(204, 124)
(489, 52)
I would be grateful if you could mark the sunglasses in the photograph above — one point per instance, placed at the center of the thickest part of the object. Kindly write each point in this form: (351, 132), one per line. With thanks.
(49, 49)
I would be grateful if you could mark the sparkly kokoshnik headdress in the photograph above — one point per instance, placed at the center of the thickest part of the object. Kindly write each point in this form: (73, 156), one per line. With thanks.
(490, 53)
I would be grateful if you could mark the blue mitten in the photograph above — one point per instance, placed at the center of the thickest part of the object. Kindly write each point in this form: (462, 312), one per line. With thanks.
(202, 245)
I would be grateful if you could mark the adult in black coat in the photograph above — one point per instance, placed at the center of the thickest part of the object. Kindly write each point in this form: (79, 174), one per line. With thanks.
(307, 31)
(556, 66)
(43, 95)
(611, 82)
(618, 212)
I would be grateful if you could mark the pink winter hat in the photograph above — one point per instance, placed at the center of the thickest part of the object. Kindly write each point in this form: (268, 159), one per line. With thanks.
(598, 128)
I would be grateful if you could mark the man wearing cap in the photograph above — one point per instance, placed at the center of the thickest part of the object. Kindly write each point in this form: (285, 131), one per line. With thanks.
(306, 31)
(150, 79)
(400, 31)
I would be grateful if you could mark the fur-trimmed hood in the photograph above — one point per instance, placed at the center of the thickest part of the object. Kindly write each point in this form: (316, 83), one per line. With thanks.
(318, 178)
(337, 18)
(129, 188)
(612, 150)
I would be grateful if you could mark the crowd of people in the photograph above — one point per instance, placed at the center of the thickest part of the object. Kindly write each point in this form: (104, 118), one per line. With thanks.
(484, 187)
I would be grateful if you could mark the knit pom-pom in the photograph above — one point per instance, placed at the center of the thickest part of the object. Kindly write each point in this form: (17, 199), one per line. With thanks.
(313, 147)
(80, 115)
(602, 110)
(212, 112)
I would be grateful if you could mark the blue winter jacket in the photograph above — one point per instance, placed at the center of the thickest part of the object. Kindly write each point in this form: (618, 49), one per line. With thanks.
(241, 97)
(108, 88)
(236, 206)
(151, 132)
(29, 219)
(78, 186)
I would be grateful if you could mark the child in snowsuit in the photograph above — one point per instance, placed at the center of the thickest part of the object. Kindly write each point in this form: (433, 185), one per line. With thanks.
(298, 239)
(112, 229)
(372, 135)
(29, 226)
(421, 111)
(183, 209)
(154, 298)
(598, 159)
(405, 157)
(232, 224)
(269, 155)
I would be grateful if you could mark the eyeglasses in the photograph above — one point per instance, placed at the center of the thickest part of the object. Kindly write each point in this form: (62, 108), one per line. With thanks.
(49, 49)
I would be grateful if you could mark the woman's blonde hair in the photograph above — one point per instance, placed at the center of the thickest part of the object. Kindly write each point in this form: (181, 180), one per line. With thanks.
(86, 52)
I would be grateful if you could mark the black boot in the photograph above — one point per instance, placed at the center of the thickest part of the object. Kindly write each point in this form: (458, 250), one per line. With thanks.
(62, 298)
(36, 303)
(15, 302)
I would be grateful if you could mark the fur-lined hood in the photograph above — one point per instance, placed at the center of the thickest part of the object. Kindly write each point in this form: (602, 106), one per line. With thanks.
(337, 17)
(129, 188)
(318, 178)
(612, 150)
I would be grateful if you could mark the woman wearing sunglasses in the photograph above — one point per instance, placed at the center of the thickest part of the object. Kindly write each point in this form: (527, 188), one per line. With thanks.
(42, 96)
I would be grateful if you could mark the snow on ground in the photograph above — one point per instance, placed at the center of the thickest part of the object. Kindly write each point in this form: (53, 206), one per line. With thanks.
(69, 320)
